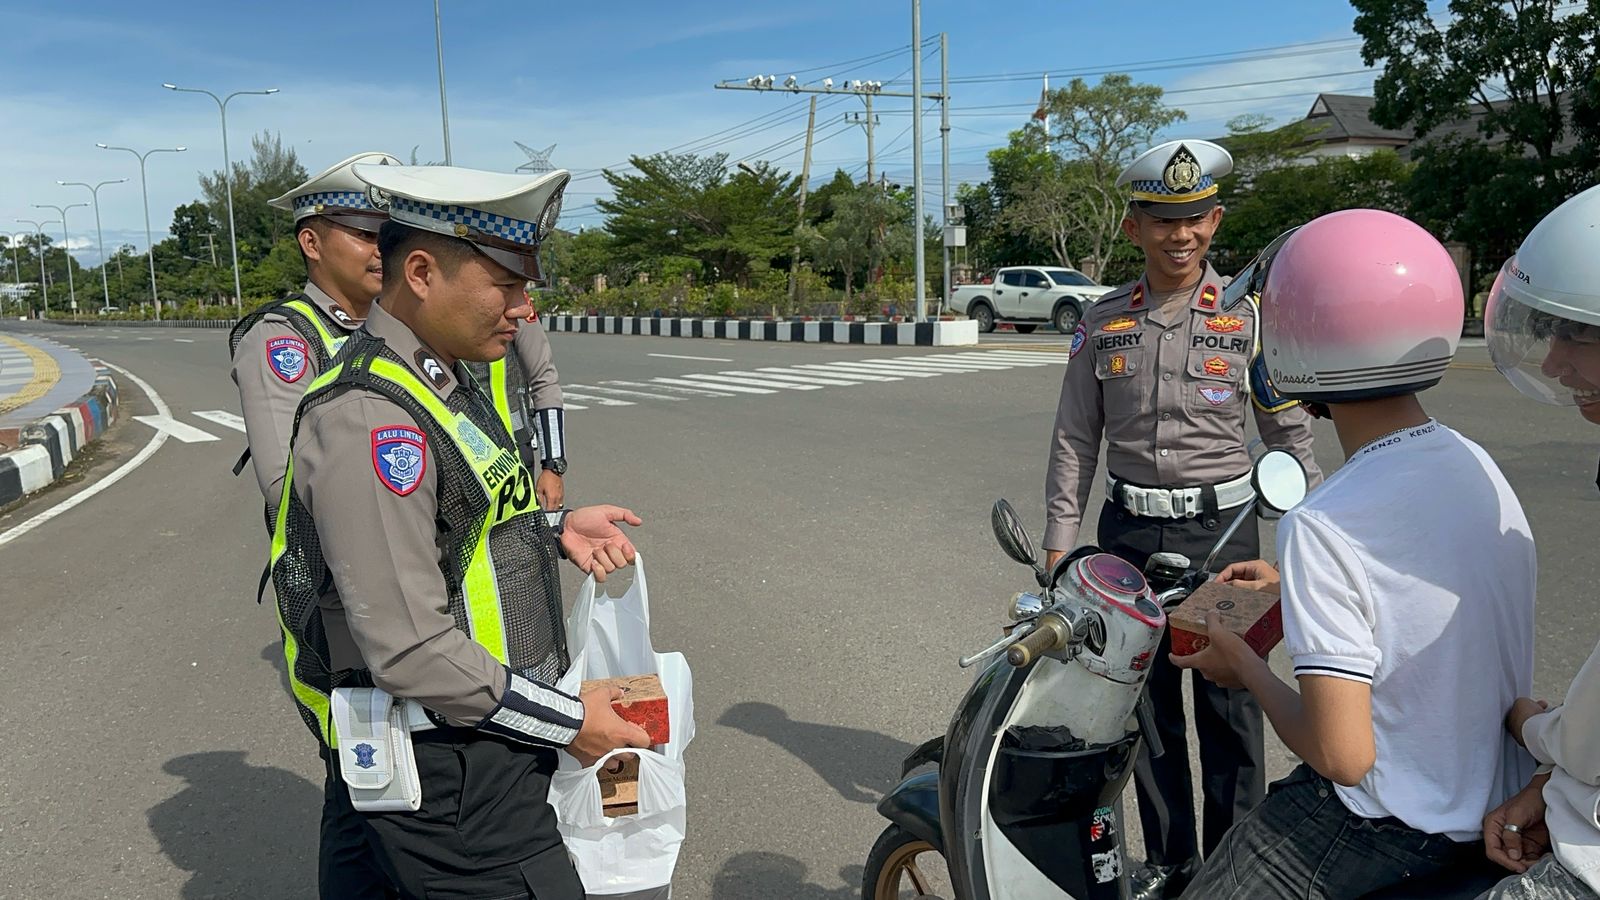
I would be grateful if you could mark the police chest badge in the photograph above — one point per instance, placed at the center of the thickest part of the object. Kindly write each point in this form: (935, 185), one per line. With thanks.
(1216, 396)
(287, 357)
(1224, 324)
(399, 456)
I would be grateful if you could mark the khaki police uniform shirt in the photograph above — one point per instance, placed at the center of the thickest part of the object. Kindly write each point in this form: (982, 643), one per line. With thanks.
(1167, 388)
(269, 396)
(532, 347)
(390, 613)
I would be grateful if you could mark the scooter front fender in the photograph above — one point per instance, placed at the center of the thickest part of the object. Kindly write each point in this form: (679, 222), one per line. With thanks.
(914, 806)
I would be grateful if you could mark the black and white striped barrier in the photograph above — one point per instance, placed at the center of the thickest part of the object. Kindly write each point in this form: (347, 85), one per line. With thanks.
(920, 334)
(50, 444)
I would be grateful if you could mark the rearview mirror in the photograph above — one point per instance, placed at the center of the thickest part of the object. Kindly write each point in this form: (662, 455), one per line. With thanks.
(1012, 536)
(1279, 480)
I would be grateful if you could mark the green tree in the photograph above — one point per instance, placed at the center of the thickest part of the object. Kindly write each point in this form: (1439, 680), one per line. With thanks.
(682, 205)
(1257, 147)
(1286, 196)
(991, 242)
(1098, 131)
(272, 170)
(1527, 71)
(869, 230)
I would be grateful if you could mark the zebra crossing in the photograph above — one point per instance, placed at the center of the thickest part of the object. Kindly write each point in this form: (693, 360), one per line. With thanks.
(724, 384)
(769, 380)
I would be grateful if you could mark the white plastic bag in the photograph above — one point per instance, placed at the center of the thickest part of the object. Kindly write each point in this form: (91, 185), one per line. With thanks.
(609, 637)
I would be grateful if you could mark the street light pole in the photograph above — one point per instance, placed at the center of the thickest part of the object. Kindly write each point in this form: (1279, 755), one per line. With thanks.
(444, 108)
(94, 191)
(227, 173)
(144, 188)
(916, 156)
(16, 263)
(66, 248)
(44, 286)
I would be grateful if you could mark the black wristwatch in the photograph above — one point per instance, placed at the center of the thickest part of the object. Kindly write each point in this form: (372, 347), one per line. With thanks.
(557, 465)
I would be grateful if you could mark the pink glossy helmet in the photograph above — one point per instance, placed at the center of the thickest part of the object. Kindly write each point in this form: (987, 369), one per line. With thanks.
(1359, 304)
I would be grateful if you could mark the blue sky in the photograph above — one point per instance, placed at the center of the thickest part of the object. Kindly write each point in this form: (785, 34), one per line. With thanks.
(601, 81)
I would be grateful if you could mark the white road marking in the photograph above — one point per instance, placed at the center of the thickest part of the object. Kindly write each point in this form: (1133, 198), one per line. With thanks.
(597, 389)
(695, 358)
(183, 432)
(691, 391)
(754, 382)
(145, 452)
(574, 406)
(883, 368)
(986, 358)
(595, 399)
(1048, 357)
(953, 366)
(721, 387)
(146, 339)
(222, 417)
(845, 373)
(808, 377)
(184, 340)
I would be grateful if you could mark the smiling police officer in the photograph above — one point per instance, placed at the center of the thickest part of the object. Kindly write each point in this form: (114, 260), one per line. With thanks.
(1158, 373)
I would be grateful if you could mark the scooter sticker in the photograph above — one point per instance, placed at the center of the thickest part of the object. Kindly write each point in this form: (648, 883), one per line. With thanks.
(1102, 827)
(1107, 866)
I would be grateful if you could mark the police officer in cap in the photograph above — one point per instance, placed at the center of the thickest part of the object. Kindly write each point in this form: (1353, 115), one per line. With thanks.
(280, 347)
(1158, 374)
(527, 394)
(277, 350)
(410, 553)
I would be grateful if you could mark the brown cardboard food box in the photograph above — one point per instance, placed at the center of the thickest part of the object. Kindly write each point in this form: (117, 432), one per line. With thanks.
(1253, 615)
(644, 703)
(619, 791)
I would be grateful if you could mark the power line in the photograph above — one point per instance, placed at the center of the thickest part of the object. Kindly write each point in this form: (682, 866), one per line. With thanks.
(1279, 51)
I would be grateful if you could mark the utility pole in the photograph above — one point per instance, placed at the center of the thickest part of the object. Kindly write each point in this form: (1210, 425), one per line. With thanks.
(805, 180)
(213, 245)
(444, 107)
(868, 120)
(916, 158)
(944, 161)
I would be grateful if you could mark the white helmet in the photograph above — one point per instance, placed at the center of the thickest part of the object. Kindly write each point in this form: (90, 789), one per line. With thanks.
(1548, 292)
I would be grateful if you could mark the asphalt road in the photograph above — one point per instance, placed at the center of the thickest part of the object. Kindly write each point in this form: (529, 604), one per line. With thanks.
(822, 557)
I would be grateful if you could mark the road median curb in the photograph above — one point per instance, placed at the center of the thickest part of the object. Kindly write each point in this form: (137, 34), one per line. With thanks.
(831, 331)
(47, 445)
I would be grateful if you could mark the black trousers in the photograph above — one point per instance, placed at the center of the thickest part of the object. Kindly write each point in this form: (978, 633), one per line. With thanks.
(347, 865)
(1228, 723)
(485, 830)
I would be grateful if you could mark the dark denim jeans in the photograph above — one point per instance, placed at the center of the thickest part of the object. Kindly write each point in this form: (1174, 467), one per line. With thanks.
(1302, 843)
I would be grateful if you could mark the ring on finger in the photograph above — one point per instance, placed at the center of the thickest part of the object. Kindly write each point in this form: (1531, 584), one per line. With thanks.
(1514, 829)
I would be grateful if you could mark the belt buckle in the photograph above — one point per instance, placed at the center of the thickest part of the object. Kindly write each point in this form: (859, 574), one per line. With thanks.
(1163, 503)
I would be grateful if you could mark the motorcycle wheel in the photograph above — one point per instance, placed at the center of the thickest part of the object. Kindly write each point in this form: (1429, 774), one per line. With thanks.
(901, 867)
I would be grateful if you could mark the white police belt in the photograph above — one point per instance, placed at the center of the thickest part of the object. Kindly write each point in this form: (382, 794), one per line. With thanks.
(1177, 503)
(375, 753)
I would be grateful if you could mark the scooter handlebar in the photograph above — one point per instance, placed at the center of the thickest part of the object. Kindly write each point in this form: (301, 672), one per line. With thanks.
(1049, 634)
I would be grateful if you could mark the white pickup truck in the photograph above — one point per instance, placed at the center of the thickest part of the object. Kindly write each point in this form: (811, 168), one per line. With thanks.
(1027, 296)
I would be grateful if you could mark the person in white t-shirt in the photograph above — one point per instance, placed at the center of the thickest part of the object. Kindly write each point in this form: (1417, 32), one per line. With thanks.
(1407, 587)
(1543, 325)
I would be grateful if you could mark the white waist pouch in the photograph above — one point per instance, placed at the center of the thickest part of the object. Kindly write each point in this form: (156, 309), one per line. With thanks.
(375, 755)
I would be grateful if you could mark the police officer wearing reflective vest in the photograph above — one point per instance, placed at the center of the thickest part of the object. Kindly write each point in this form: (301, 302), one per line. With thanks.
(410, 553)
(527, 394)
(280, 347)
(1158, 373)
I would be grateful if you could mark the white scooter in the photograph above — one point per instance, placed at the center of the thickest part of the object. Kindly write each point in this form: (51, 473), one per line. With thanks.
(1024, 802)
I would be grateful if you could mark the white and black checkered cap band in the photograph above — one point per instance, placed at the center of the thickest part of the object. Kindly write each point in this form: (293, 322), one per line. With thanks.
(443, 219)
(306, 204)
